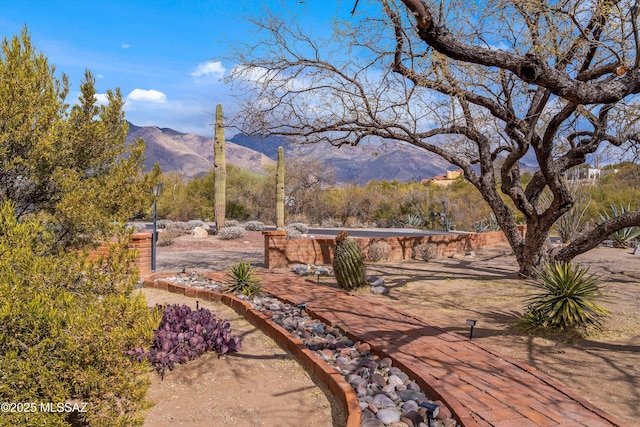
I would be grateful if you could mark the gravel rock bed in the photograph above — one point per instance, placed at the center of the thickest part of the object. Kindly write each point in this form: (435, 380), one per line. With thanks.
(387, 396)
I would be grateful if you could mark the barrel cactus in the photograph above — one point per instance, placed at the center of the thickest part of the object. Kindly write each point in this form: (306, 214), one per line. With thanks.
(348, 263)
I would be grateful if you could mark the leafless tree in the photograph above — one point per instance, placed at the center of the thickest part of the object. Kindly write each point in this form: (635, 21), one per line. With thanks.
(481, 84)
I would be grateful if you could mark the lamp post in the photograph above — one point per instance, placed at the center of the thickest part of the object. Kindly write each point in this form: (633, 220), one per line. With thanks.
(445, 226)
(155, 192)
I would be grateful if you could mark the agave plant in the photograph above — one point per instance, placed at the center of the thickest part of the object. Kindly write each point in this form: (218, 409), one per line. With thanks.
(621, 237)
(413, 220)
(241, 279)
(567, 299)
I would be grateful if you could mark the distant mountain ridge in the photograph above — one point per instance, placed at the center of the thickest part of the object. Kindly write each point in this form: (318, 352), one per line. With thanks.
(192, 155)
(189, 153)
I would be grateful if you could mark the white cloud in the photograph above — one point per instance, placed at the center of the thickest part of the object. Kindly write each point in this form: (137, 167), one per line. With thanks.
(125, 45)
(213, 68)
(101, 98)
(143, 95)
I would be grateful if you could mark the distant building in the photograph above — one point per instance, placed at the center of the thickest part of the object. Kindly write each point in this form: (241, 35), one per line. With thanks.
(444, 180)
(587, 173)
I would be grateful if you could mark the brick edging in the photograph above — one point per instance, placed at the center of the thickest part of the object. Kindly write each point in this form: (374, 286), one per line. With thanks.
(458, 410)
(531, 370)
(322, 371)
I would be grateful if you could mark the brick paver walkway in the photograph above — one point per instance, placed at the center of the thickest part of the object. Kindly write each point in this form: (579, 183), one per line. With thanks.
(480, 387)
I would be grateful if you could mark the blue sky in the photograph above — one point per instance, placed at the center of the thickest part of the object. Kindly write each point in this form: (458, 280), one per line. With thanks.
(166, 56)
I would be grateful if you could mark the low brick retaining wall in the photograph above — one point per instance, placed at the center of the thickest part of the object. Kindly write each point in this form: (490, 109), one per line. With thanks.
(322, 371)
(280, 252)
(141, 242)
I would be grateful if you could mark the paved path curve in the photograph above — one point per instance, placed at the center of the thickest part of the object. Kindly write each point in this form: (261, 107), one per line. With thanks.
(482, 388)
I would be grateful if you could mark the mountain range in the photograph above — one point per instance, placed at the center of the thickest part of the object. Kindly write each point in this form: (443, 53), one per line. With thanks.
(192, 155)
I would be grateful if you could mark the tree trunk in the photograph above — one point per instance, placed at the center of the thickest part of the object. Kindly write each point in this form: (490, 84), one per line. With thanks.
(280, 190)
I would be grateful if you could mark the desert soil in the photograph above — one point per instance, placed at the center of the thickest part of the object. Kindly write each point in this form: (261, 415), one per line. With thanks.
(260, 385)
(603, 367)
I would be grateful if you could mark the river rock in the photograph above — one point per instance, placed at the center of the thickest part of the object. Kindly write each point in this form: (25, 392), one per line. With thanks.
(388, 415)
(394, 380)
(406, 395)
(382, 401)
(379, 290)
(372, 422)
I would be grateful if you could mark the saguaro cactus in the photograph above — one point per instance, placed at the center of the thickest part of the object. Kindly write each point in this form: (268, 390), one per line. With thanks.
(219, 171)
(348, 263)
(280, 190)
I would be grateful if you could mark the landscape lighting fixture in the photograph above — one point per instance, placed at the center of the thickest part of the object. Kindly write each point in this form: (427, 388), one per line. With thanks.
(432, 410)
(156, 189)
(301, 306)
(471, 323)
(155, 192)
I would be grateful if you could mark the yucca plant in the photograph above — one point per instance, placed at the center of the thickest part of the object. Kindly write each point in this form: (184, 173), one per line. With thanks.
(567, 299)
(621, 237)
(241, 279)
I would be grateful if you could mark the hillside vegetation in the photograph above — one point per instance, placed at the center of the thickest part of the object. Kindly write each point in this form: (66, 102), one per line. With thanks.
(316, 199)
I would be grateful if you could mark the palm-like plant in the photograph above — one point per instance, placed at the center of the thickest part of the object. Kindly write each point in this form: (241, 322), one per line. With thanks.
(621, 237)
(241, 280)
(567, 299)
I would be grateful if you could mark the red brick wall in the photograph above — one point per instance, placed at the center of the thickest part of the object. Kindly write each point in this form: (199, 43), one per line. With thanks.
(141, 242)
(280, 252)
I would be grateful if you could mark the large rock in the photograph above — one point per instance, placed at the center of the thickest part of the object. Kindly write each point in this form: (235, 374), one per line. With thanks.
(199, 233)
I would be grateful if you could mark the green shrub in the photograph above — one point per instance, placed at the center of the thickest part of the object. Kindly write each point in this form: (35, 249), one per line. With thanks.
(241, 279)
(566, 299)
(65, 324)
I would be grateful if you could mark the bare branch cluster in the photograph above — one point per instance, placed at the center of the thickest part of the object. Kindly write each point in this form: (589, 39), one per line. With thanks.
(553, 82)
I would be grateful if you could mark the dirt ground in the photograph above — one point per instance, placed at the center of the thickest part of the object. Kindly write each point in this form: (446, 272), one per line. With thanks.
(260, 385)
(603, 368)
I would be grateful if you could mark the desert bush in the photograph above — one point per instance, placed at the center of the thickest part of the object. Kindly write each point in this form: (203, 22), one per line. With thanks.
(254, 226)
(66, 325)
(292, 234)
(68, 163)
(241, 279)
(231, 233)
(184, 335)
(179, 226)
(136, 226)
(164, 223)
(378, 251)
(195, 223)
(566, 299)
(167, 237)
(424, 251)
(299, 226)
(231, 223)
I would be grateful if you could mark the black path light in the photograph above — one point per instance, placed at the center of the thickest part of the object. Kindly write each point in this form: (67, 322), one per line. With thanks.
(471, 323)
(155, 192)
(432, 410)
(301, 306)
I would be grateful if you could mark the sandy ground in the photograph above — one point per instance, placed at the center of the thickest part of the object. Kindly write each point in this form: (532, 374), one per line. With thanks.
(604, 367)
(261, 385)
